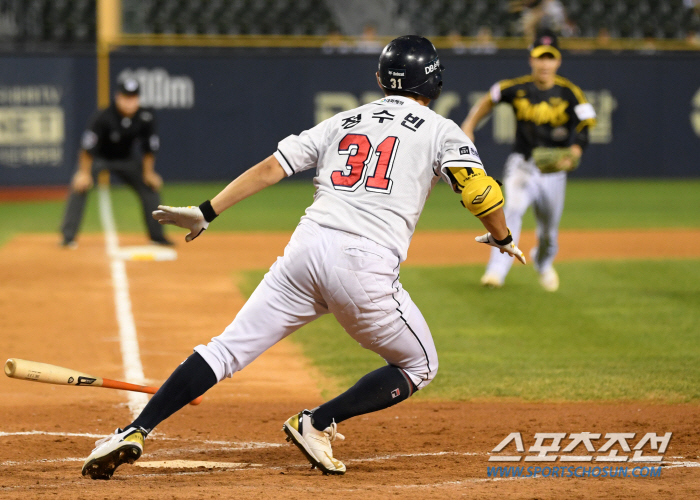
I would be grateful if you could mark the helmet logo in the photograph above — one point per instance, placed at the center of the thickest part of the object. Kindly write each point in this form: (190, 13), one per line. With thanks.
(433, 66)
(399, 73)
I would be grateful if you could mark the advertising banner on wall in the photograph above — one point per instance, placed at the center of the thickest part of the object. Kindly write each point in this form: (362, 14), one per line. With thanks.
(44, 102)
(221, 112)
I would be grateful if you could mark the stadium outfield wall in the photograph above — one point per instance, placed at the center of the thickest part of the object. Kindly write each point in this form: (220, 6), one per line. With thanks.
(220, 112)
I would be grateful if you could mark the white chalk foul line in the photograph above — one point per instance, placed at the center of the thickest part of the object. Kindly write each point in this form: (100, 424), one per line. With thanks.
(9, 463)
(128, 340)
(46, 433)
(411, 455)
(225, 445)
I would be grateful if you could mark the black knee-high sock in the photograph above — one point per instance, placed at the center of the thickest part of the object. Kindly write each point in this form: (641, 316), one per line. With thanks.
(375, 391)
(190, 380)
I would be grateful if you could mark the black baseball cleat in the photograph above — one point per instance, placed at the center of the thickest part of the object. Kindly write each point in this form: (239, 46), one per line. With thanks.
(122, 447)
(164, 242)
(72, 244)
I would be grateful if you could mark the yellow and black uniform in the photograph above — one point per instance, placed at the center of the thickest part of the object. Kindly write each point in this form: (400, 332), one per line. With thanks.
(557, 117)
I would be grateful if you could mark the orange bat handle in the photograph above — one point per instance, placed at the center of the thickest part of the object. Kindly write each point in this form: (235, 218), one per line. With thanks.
(125, 386)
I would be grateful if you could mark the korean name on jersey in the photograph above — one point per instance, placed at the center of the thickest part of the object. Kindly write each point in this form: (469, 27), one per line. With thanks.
(376, 165)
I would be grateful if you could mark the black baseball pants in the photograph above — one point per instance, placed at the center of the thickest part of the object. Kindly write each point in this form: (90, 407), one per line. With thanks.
(130, 172)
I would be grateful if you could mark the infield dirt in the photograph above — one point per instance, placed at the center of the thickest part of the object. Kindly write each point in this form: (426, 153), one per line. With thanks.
(58, 307)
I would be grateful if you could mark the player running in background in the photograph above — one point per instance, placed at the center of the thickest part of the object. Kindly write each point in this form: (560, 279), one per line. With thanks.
(375, 166)
(553, 118)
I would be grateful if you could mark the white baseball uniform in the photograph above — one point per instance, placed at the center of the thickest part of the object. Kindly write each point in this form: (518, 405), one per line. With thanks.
(375, 167)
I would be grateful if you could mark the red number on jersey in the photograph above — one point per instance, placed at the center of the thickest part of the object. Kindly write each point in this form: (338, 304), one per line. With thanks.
(358, 150)
(380, 181)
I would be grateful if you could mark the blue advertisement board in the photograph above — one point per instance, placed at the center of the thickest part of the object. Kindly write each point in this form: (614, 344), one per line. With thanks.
(221, 112)
(45, 101)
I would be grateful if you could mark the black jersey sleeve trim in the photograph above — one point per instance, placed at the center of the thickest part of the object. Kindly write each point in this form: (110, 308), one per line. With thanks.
(462, 161)
(286, 160)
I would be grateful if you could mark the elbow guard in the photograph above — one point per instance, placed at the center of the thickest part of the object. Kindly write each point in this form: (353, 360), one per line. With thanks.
(482, 195)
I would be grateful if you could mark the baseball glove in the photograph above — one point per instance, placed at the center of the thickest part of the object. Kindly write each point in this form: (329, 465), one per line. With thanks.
(550, 160)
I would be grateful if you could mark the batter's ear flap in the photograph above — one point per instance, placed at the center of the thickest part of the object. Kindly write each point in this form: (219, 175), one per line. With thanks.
(379, 82)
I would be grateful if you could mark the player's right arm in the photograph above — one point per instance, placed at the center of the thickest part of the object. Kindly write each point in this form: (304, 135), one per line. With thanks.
(294, 154)
(82, 179)
(264, 174)
(197, 219)
(503, 91)
(479, 111)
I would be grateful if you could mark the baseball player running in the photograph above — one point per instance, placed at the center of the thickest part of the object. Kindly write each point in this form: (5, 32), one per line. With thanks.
(375, 167)
(553, 118)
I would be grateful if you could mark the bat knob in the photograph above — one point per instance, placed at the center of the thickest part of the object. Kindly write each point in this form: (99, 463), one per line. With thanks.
(10, 367)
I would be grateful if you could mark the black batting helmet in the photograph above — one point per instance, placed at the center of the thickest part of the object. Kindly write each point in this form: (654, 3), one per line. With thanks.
(411, 64)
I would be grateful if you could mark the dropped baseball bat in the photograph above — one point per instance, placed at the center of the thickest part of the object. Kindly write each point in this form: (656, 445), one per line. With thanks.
(52, 374)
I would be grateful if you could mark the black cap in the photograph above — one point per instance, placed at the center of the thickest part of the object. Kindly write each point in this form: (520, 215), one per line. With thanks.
(545, 43)
(128, 86)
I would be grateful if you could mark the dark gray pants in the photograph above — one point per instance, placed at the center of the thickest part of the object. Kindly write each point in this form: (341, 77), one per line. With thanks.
(131, 173)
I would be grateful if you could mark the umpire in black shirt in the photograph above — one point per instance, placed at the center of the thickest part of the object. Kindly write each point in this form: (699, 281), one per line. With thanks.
(107, 144)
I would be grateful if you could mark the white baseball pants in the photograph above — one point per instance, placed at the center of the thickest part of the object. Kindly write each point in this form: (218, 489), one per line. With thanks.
(329, 271)
(525, 185)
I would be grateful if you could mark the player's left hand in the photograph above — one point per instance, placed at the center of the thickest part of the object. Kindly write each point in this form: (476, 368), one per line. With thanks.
(569, 162)
(153, 180)
(186, 217)
(509, 247)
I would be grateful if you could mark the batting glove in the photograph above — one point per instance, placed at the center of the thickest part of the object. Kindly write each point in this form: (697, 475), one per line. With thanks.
(190, 218)
(505, 246)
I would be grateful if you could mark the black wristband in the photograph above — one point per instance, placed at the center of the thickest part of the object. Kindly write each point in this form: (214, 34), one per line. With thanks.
(505, 241)
(208, 211)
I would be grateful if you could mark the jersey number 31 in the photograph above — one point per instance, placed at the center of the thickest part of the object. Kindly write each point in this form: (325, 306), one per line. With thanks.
(359, 150)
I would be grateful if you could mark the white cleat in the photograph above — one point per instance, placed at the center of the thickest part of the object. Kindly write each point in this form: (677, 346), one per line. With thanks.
(490, 280)
(122, 447)
(549, 280)
(314, 444)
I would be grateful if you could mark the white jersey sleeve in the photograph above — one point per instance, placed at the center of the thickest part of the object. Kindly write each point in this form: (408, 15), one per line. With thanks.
(456, 150)
(495, 92)
(299, 153)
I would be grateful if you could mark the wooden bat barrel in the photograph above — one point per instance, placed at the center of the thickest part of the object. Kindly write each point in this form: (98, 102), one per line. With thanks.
(48, 374)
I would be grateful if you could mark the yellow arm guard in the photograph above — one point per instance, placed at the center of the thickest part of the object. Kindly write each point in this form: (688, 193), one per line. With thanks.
(481, 194)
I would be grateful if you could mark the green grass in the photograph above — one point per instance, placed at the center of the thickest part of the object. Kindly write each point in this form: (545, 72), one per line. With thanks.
(606, 204)
(614, 331)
